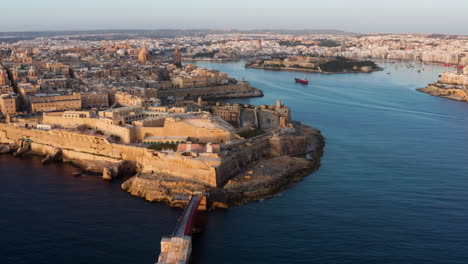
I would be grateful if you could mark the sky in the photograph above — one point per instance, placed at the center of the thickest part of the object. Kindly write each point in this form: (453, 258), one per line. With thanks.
(360, 16)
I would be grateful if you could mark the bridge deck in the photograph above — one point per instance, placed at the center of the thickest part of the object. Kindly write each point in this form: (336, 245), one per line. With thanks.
(184, 227)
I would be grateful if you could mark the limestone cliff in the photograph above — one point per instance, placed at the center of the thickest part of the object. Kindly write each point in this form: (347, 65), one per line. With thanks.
(161, 188)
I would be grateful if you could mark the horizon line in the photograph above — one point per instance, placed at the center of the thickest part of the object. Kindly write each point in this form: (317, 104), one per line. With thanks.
(227, 30)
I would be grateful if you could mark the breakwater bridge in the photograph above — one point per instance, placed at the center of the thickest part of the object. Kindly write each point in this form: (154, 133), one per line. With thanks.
(177, 249)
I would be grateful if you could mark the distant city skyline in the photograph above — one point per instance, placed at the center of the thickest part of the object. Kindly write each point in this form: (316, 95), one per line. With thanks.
(360, 16)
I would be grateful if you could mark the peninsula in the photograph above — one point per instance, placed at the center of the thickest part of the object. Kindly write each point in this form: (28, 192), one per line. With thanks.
(233, 152)
(452, 85)
(127, 109)
(326, 65)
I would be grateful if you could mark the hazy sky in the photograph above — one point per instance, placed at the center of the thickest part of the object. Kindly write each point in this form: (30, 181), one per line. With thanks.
(364, 16)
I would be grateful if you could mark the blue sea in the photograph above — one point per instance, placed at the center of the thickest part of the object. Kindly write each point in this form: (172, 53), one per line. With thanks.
(392, 188)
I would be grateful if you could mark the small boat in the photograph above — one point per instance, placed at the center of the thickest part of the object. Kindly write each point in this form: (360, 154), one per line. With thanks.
(302, 81)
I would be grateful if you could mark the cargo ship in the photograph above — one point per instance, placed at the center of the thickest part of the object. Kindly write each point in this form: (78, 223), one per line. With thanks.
(302, 81)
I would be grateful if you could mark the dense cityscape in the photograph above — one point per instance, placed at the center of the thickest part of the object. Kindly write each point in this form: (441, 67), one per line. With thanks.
(139, 109)
(63, 73)
(233, 132)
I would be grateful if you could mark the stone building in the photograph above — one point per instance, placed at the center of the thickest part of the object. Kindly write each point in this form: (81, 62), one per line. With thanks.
(4, 89)
(77, 114)
(4, 77)
(131, 124)
(265, 117)
(200, 78)
(458, 78)
(8, 104)
(229, 112)
(97, 99)
(124, 115)
(54, 102)
(199, 127)
(125, 99)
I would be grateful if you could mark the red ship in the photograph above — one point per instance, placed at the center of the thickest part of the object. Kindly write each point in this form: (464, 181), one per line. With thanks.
(303, 81)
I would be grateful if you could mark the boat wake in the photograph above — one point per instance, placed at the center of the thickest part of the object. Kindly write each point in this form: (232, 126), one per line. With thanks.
(313, 97)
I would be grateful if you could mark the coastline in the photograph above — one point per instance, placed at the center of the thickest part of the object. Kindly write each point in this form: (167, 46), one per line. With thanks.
(259, 167)
(448, 93)
(236, 90)
(81, 166)
(308, 70)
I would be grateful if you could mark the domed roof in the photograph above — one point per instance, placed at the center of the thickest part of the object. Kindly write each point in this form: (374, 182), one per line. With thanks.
(143, 55)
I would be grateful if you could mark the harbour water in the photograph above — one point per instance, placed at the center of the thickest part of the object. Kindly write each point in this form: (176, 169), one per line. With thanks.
(392, 187)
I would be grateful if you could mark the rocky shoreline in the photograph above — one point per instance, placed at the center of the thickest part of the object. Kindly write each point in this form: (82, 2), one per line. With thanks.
(259, 180)
(108, 170)
(445, 92)
(251, 94)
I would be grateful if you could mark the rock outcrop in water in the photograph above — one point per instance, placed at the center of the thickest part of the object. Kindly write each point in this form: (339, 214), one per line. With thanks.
(7, 148)
(458, 94)
(54, 155)
(116, 169)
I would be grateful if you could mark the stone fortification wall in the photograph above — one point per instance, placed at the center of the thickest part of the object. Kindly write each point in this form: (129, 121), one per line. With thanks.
(287, 145)
(243, 155)
(185, 167)
(206, 92)
(258, 148)
(248, 117)
(206, 168)
(454, 78)
(196, 134)
(103, 125)
(268, 120)
(133, 134)
(264, 119)
(58, 138)
(149, 122)
(88, 148)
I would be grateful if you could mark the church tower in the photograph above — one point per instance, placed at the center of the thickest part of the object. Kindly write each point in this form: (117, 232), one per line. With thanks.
(32, 72)
(177, 57)
(15, 74)
(4, 78)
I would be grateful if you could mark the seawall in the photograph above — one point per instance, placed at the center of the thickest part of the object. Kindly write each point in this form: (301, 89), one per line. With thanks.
(92, 149)
(239, 90)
